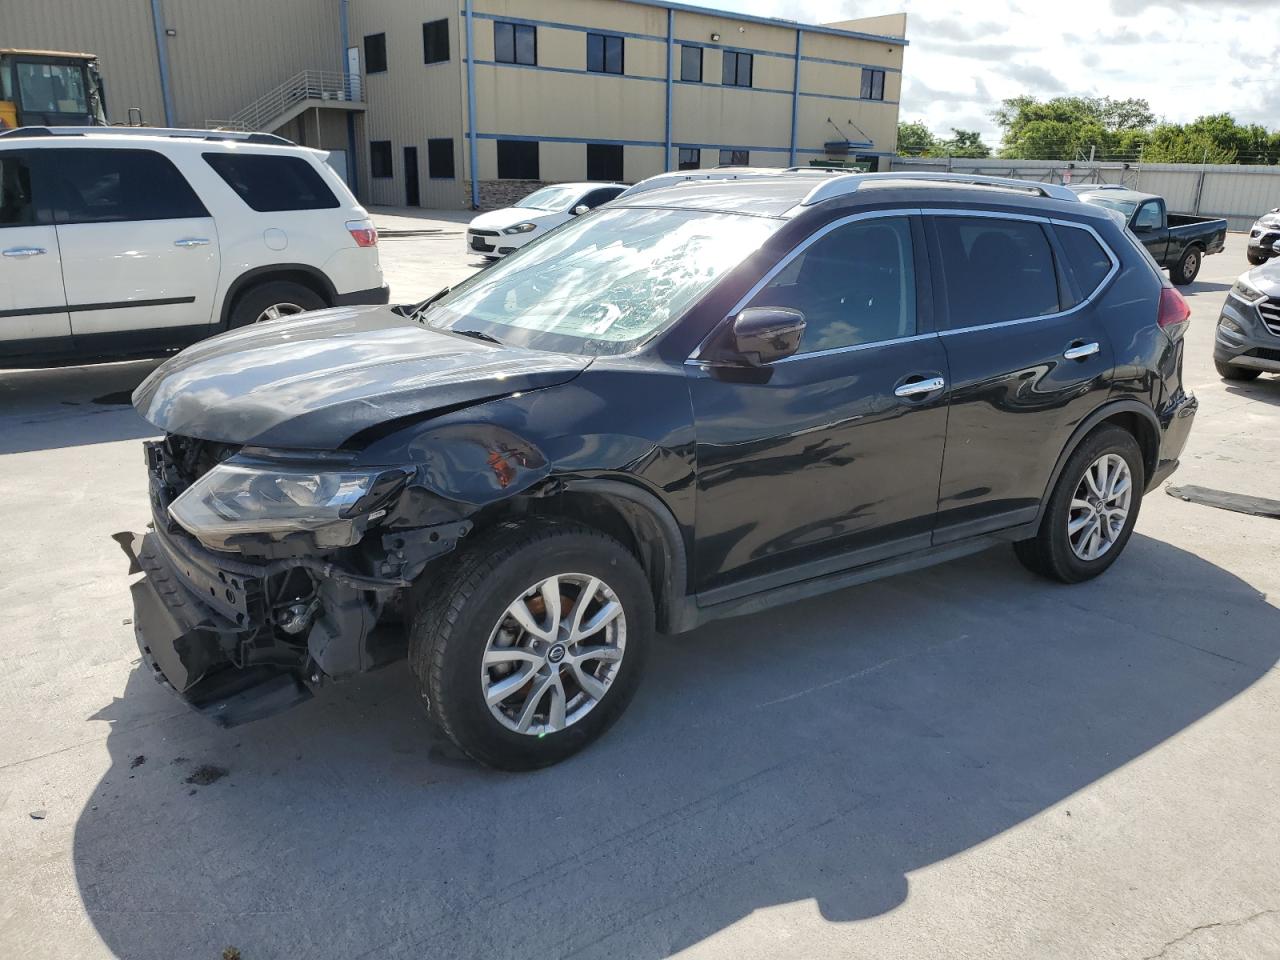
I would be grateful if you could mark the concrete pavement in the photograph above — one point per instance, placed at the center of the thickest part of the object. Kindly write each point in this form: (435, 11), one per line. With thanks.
(964, 762)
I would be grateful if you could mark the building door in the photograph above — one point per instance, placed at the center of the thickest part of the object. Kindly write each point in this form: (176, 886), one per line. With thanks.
(411, 197)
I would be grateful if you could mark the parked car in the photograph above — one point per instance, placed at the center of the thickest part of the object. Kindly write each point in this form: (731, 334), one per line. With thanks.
(1264, 238)
(122, 242)
(1176, 241)
(499, 232)
(665, 412)
(1247, 341)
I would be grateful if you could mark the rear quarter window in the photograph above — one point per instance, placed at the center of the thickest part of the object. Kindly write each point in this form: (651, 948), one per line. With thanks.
(271, 184)
(1086, 258)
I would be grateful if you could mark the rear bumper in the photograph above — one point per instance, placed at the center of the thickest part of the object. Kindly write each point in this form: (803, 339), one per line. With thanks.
(1175, 422)
(373, 295)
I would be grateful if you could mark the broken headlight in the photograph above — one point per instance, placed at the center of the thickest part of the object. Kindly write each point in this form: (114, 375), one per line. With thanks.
(236, 499)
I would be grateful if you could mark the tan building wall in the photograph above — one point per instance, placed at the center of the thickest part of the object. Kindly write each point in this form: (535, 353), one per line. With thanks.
(120, 32)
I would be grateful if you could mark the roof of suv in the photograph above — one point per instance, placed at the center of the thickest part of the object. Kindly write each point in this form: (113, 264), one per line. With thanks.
(784, 193)
(26, 137)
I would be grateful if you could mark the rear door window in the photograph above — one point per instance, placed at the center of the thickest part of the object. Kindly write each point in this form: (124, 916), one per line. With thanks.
(117, 186)
(855, 285)
(1089, 262)
(17, 201)
(271, 184)
(995, 270)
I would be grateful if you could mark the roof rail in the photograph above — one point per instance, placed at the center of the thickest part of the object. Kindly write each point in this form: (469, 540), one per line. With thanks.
(175, 132)
(714, 173)
(850, 183)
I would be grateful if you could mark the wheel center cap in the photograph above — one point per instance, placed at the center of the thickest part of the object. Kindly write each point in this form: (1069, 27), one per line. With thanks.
(556, 653)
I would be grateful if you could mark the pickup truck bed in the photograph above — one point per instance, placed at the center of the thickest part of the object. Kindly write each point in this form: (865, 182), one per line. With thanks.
(1177, 241)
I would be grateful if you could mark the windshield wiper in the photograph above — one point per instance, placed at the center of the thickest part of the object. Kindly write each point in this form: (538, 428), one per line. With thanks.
(421, 308)
(477, 335)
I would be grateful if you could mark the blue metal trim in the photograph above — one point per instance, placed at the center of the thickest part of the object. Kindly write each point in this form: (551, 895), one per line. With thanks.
(658, 144)
(572, 70)
(837, 96)
(731, 86)
(795, 97)
(770, 21)
(471, 110)
(754, 51)
(344, 35)
(162, 60)
(671, 69)
(853, 63)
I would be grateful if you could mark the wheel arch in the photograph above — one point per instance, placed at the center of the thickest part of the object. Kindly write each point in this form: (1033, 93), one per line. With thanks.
(643, 524)
(301, 273)
(1137, 418)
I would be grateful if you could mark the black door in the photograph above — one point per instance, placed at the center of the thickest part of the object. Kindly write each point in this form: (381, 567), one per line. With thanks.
(1149, 226)
(830, 457)
(411, 197)
(1026, 367)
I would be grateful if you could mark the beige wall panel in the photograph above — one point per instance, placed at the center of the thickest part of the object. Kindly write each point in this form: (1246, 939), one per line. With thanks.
(645, 58)
(563, 162)
(770, 73)
(728, 116)
(878, 121)
(511, 100)
(832, 79)
(412, 102)
(121, 34)
(641, 162)
(228, 53)
(830, 47)
(889, 25)
(735, 33)
(566, 49)
(604, 15)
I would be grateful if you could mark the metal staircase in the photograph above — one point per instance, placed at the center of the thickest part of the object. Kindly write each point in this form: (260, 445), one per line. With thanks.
(307, 90)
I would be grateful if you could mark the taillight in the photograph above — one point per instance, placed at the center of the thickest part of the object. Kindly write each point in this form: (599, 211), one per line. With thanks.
(1174, 308)
(363, 232)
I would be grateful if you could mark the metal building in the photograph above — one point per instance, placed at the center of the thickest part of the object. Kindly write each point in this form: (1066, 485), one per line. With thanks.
(411, 96)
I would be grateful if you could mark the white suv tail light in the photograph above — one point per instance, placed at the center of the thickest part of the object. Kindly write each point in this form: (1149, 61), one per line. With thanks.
(363, 232)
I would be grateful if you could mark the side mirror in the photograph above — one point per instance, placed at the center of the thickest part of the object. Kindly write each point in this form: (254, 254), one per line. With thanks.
(762, 335)
(580, 209)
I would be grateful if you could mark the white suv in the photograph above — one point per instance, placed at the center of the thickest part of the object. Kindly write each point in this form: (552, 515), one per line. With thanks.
(134, 242)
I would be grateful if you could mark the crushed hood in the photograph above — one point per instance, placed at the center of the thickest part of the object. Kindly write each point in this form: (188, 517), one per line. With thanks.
(314, 382)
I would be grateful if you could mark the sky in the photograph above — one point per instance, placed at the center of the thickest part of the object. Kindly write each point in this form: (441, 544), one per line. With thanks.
(1186, 57)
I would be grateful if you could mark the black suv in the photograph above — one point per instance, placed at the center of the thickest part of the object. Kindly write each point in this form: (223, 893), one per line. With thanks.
(698, 401)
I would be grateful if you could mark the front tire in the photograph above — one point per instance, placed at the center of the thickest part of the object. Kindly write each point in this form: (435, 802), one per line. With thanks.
(1257, 259)
(513, 667)
(1188, 266)
(1092, 510)
(1228, 372)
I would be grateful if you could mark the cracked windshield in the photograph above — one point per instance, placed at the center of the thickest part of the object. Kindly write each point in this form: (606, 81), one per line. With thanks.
(602, 284)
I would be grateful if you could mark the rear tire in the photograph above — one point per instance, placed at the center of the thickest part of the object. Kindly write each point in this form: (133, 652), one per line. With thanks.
(1228, 372)
(1064, 549)
(465, 642)
(1188, 266)
(285, 297)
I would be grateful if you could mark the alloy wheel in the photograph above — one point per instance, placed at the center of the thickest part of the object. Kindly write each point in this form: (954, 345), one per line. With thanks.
(553, 654)
(278, 311)
(1100, 507)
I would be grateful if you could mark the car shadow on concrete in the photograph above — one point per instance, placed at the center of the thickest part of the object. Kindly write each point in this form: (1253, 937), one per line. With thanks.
(819, 752)
(1265, 388)
(1205, 286)
(71, 406)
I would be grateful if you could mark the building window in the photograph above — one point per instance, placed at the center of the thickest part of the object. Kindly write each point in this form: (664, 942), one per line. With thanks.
(604, 53)
(737, 69)
(515, 43)
(604, 161)
(435, 41)
(690, 64)
(518, 160)
(380, 158)
(734, 158)
(690, 159)
(375, 53)
(872, 84)
(440, 158)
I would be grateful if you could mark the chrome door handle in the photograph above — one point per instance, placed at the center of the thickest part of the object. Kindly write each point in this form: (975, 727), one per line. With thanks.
(919, 387)
(1080, 351)
(191, 242)
(25, 251)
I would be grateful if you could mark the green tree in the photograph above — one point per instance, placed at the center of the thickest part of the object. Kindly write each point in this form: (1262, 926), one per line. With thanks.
(915, 139)
(963, 143)
(1171, 143)
(1067, 127)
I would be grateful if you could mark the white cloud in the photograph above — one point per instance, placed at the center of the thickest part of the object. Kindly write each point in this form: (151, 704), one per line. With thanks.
(1187, 57)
